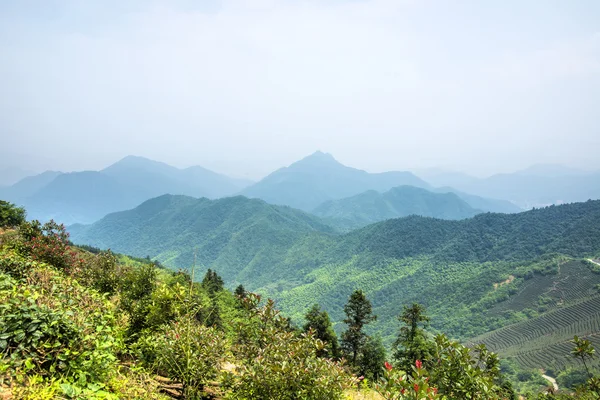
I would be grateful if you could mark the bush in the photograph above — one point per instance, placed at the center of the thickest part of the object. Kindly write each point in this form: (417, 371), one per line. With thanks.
(277, 363)
(186, 352)
(10, 215)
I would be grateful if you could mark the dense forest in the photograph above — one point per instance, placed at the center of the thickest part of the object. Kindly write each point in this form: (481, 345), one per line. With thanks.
(452, 267)
(80, 323)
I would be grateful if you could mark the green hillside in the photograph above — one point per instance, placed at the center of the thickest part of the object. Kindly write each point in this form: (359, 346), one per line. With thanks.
(318, 178)
(451, 267)
(371, 206)
(244, 239)
(558, 306)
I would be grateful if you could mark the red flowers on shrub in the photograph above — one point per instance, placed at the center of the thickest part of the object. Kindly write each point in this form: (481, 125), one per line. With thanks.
(418, 364)
(388, 366)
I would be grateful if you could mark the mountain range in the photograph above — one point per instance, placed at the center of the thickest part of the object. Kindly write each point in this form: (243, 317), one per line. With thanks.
(84, 197)
(538, 185)
(318, 178)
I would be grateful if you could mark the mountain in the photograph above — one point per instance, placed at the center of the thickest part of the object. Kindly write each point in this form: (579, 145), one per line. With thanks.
(537, 186)
(318, 178)
(371, 206)
(551, 170)
(442, 177)
(152, 178)
(10, 175)
(242, 238)
(84, 197)
(482, 203)
(78, 197)
(453, 267)
(28, 186)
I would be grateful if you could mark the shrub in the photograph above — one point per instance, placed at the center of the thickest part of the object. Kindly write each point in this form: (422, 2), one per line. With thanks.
(187, 352)
(279, 364)
(10, 215)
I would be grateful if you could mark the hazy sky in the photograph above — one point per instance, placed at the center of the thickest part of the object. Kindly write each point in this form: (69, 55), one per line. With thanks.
(244, 87)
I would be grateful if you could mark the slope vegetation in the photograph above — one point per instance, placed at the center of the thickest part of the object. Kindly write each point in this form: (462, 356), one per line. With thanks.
(455, 268)
(560, 306)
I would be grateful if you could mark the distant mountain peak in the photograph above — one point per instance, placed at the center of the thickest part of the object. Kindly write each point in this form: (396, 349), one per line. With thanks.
(318, 158)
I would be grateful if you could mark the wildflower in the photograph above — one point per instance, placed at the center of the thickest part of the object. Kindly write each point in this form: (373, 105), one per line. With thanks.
(416, 387)
(418, 364)
(388, 366)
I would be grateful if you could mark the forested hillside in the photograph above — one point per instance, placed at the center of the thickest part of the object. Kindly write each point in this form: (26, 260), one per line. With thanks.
(241, 238)
(371, 206)
(450, 266)
(80, 323)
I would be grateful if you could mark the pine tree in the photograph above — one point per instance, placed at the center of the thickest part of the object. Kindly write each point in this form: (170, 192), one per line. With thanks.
(320, 323)
(412, 343)
(359, 312)
(212, 282)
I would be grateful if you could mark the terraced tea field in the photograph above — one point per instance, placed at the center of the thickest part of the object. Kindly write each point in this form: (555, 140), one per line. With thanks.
(573, 303)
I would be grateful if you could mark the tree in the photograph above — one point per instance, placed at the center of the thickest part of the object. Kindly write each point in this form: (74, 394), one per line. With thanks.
(359, 313)
(412, 343)
(240, 291)
(10, 215)
(212, 282)
(372, 359)
(318, 321)
(583, 350)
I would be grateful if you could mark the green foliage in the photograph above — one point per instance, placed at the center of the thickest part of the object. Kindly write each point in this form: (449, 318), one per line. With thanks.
(371, 359)
(319, 324)
(399, 385)
(40, 334)
(11, 215)
(212, 282)
(412, 343)
(277, 363)
(186, 351)
(570, 378)
(457, 269)
(49, 243)
(584, 351)
(359, 313)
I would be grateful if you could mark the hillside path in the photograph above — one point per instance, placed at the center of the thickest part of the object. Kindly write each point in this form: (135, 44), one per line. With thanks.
(595, 262)
(552, 381)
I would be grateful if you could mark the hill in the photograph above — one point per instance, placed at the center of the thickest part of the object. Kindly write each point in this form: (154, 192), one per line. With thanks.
(318, 178)
(559, 306)
(244, 239)
(371, 206)
(452, 267)
(84, 197)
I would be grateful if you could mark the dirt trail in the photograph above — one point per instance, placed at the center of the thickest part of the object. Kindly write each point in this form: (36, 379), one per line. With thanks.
(552, 381)
(595, 262)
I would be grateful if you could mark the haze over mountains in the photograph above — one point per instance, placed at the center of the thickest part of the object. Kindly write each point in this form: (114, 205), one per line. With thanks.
(538, 185)
(84, 197)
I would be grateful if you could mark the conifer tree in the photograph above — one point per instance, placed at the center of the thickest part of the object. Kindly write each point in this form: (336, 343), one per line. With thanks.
(320, 323)
(359, 312)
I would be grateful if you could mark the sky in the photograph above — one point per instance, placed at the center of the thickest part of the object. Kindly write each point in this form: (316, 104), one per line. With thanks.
(246, 86)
